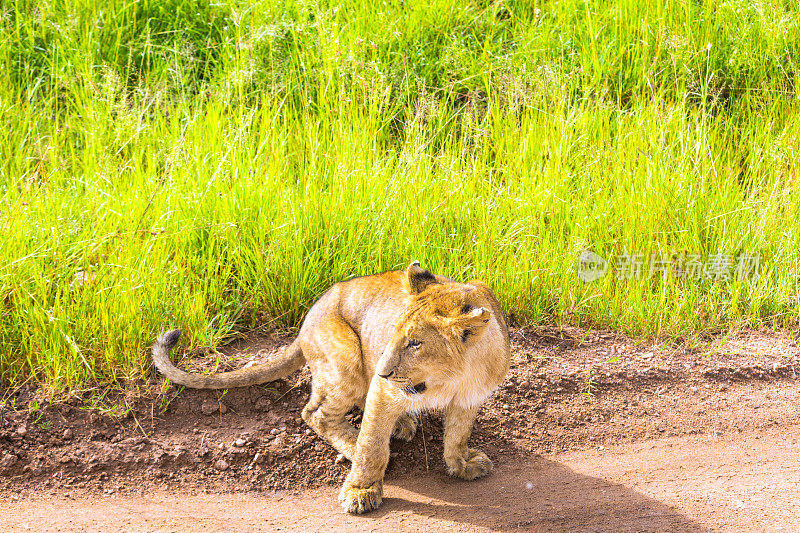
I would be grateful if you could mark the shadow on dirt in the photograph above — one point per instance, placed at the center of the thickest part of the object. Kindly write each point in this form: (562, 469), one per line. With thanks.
(537, 494)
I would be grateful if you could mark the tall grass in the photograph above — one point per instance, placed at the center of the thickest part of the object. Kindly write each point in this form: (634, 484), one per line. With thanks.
(216, 166)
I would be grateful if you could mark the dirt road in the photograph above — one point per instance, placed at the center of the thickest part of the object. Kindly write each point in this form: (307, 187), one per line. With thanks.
(652, 439)
(748, 482)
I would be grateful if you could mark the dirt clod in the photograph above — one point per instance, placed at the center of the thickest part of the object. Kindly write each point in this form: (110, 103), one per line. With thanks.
(263, 404)
(8, 461)
(209, 407)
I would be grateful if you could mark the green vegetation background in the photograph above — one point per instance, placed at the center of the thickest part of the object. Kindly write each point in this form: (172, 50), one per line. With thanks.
(217, 165)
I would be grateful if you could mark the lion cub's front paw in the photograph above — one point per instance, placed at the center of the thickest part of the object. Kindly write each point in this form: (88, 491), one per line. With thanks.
(405, 428)
(471, 466)
(359, 500)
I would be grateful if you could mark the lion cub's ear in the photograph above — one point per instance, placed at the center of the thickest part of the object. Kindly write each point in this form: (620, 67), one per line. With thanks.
(473, 321)
(418, 279)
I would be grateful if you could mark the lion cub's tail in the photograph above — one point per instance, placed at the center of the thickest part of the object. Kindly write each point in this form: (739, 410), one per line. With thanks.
(285, 363)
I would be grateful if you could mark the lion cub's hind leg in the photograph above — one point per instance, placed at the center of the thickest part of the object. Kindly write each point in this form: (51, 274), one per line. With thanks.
(406, 427)
(334, 355)
(326, 415)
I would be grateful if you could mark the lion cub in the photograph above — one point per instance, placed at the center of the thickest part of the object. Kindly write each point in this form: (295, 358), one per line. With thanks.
(393, 344)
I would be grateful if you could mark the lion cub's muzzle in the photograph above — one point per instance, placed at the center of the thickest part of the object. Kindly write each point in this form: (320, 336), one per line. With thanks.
(419, 388)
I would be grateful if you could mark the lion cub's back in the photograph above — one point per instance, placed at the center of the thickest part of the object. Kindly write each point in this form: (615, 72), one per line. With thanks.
(369, 305)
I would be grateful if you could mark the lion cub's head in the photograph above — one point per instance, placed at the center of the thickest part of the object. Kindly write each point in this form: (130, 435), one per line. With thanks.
(432, 339)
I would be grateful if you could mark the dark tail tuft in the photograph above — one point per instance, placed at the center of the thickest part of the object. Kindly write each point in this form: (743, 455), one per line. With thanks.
(169, 339)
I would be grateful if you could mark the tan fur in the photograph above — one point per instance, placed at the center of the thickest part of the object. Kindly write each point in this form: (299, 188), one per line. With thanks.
(376, 342)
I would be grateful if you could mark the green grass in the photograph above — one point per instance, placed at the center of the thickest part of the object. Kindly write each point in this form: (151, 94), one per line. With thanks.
(215, 166)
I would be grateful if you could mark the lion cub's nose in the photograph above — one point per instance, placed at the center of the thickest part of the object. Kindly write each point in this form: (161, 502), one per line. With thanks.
(386, 376)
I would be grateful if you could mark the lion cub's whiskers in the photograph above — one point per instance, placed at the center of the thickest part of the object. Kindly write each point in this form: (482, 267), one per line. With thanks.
(424, 445)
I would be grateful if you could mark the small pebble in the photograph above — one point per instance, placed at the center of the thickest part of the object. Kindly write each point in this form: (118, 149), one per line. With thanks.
(240, 442)
(68, 434)
(22, 431)
(221, 464)
(8, 461)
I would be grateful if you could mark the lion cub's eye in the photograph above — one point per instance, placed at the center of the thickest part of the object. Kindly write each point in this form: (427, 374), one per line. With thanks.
(413, 343)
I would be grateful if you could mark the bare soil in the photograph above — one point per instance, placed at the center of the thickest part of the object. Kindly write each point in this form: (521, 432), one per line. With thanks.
(590, 431)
